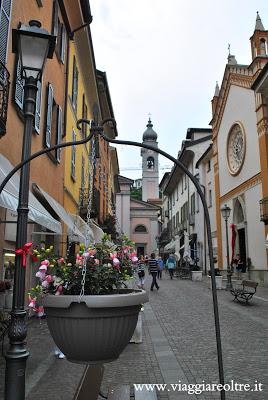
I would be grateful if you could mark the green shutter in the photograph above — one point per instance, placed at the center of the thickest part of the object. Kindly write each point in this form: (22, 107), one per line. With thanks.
(5, 14)
(37, 118)
(19, 88)
(49, 115)
(59, 132)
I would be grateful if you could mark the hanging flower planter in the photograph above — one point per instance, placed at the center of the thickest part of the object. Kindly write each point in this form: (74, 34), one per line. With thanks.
(96, 330)
(90, 315)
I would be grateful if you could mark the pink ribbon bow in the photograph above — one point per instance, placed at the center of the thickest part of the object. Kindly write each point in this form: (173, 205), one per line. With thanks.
(24, 251)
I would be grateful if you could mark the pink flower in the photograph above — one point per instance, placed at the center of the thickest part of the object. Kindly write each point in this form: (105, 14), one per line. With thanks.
(49, 278)
(32, 301)
(41, 275)
(45, 262)
(97, 262)
(40, 311)
(91, 252)
(134, 259)
(60, 260)
(59, 290)
(43, 268)
(45, 284)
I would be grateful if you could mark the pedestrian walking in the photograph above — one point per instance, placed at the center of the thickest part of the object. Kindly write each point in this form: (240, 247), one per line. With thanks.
(160, 267)
(141, 272)
(153, 269)
(171, 264)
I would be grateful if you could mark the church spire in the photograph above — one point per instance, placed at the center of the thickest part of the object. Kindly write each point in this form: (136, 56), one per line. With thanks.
(259, 39)
(259, 25)
(217, 90)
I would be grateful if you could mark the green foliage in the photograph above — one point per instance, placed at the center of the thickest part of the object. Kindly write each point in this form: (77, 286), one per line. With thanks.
(136, 193)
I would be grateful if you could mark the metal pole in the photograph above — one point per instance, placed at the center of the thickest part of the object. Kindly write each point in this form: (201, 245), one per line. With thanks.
(17, 353)
(229, 272)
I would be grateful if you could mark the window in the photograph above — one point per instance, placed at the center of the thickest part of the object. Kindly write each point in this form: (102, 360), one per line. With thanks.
(173, 198)
(177, 192)
(140, 229)
(75, 85)
(193, 204)
(84, 115)
(197, 202)
(83, 172)
(173, 223)
(53, 131)
(19, 96)
(210, 198)
(177, 218)
(182, 186)
(150, 163)
(185, 181)
(209, 165)
(59, 132)
(5, 14)
(73, 156)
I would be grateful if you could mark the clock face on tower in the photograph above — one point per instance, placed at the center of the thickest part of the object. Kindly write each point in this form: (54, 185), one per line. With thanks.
(236, 149)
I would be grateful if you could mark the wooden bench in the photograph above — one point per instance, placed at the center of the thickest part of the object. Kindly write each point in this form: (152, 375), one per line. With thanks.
(246, 292)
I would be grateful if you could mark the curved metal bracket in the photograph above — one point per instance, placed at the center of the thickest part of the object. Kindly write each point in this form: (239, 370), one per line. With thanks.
(99, 129)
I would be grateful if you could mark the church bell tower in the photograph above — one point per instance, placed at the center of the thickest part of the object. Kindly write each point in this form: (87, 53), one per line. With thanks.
(150, 167)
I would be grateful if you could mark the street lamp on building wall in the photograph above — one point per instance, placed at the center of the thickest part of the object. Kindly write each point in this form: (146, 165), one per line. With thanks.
(225, 212)
(33, 46)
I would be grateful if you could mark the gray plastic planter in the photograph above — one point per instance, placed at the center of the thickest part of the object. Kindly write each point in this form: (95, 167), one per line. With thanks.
(97, 330)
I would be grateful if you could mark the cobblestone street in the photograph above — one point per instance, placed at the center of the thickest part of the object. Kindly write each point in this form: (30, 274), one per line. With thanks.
(178, 345)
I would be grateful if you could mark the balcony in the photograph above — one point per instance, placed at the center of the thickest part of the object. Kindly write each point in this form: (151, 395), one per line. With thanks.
(95, 206)
(264, 210)
(4, 92)
(164, 237)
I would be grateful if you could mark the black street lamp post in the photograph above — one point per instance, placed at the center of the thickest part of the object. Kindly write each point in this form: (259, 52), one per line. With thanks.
(225, 212)
(33, 46)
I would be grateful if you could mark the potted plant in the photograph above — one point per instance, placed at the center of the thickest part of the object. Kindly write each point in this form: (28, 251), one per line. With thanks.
(218, 278)
(91, 315)
(2, 293)
(196, 273)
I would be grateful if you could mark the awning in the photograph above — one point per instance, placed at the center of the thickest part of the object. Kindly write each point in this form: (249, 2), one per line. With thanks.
(83, 227)
(45, 198)
(170, 247)
(97, 231)
(10, 195)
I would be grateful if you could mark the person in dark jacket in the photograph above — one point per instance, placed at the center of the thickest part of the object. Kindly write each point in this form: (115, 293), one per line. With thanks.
(153, 269)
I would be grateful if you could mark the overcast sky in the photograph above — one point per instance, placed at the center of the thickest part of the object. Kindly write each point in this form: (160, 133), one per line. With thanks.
(164, 58)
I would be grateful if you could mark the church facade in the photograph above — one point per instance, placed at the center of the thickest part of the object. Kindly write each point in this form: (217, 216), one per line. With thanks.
(240, 158)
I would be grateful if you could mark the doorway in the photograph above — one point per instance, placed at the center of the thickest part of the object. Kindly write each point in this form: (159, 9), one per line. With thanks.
(242, 246)
(140, 250)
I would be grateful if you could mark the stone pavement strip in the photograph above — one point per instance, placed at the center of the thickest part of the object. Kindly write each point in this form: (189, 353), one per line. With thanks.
(178, 347)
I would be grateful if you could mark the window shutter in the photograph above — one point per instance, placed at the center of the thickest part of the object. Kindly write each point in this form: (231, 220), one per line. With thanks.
(73, 155)
(49, 115)
(59, 132)
(55, 13)
(37, 118)
(19, 91)
(63, 44)
(5, 14)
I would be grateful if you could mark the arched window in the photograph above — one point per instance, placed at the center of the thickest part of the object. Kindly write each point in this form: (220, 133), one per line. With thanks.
(150, 163)
(263, 47)
(140, 229)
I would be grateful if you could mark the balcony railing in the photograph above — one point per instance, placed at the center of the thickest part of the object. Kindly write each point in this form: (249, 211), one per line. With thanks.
(264, 210)
(84, 199)
(4, 92)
